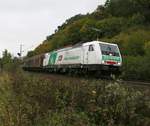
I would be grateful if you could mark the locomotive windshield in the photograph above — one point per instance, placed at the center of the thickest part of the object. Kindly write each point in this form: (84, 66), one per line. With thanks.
(109, 49)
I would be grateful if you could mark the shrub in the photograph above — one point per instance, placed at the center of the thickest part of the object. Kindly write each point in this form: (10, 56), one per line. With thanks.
(34, 101)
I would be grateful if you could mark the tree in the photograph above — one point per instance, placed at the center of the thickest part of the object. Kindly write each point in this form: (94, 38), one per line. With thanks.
(6, 60)
(99, 13)
(147, 49)
(128, 8)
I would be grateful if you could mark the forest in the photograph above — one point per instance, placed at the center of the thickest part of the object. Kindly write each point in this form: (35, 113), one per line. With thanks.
(125, 22)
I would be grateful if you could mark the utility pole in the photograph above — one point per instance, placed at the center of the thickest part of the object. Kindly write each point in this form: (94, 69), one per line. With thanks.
(21, 51)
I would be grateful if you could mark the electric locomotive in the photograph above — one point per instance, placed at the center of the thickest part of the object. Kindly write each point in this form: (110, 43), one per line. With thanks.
(96, 56)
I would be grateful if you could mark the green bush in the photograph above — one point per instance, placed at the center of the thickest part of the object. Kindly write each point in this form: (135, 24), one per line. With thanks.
(28, 100)
(136, 19)
(136, 68)
(147, 49)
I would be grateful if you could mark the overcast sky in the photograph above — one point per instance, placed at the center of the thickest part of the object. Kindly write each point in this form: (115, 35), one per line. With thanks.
(28, 22)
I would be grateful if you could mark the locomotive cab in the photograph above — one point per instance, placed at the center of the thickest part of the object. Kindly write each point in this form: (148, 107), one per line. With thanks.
(102, 53)
(110, 54)
(102, 57)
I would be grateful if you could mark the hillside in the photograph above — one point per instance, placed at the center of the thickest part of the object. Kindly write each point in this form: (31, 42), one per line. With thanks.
(126, 23)
(110, 21)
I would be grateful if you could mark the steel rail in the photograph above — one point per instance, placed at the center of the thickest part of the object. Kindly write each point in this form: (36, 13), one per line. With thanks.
(136, 83)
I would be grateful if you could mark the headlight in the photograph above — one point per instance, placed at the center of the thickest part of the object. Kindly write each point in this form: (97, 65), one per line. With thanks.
(103, 62)
(119, 63)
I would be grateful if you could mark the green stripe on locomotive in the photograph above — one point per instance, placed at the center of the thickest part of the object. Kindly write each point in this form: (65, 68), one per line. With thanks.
(113, 58)
(72, 58)
(52, 59)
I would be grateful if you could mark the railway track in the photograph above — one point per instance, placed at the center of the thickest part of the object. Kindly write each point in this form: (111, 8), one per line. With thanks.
(135, 83)
(66, 77)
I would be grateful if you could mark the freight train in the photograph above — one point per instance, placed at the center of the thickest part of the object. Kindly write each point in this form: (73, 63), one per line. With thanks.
(95, 57)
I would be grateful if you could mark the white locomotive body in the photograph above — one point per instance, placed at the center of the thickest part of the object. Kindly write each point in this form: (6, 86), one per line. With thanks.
(87, 53)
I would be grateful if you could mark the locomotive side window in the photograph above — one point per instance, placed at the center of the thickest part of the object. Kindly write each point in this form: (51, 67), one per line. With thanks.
(91, 48)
